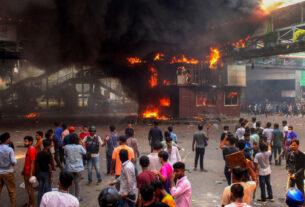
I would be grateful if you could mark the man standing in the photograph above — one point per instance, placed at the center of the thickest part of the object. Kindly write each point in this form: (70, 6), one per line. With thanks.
(84, 133)
(277, 140)
(29, 168)
(240, 132)
(74, 163)
(67, 137)
(127, 180)
(133, 143)
(61, 197)
(295, 165)
(44, 170)
(111, 142)
(147, 193)
(154, 135)
(7, 161)
(93, 143)
(200, 138)
(224, 133)
(172, 134)
(173, 152)
(154, 162)
(182, 190)
(116, 161)
(261, 161)
(39, 138)
(57, 132)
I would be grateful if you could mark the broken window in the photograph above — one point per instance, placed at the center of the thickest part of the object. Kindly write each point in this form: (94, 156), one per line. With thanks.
(231, 98)
(206, 99)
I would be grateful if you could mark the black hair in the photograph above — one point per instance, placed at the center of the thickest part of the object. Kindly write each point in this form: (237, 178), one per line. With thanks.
(166, 134)
(123, 139)
(168, 139)
(258, 124)
(40, 133)
(263, 147)
(231, 139)
(237, 190)
(268, 125)
(296, 141)
(5, 136)
(253, 130)
(29, 138)
(241, 120)
(163, 155)
(129, 132)
(291, 127)
(254, 119)
(112, 128)
(64, 126)
(238, 172)
(157, 146)
(170, 128)
(241, 144)
(276, 126)
(123, 155)
(226, 128)
(147, 192)
(157, 184)
(243, 124)
(156, 123)
(144, 161)
(46, 143)
(49, 133)
(73, 139)
(65, 179)
(85, 126)
(56, 124)
(179, 165)
(200, 126)
(284, 122)
(246, 135)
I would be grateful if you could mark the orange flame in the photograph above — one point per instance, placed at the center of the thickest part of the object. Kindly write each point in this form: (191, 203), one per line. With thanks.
(241, 43)
(167, 83)
(267, 6)
(165, 102)
(214, 58)
(159, 56)
(153, 81)
(134, 60)
(232, 94)
(151, 112)
(184, 60)
(32, 115)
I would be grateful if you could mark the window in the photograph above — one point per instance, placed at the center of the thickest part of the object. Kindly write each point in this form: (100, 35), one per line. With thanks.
(206, 99)
(231, 98)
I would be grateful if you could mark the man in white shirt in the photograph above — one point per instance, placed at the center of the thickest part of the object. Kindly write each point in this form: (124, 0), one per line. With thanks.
(154, 162)
(240, 132)
(173, 152)
(285, 127)
(61, 197)
(267, 132)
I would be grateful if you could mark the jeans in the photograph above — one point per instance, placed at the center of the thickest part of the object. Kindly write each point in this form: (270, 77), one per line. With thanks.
(228, 175)
(123, 201)
(299, 182)
(44, 185)
(62, 155)
(9, 180)
(263, 181)
(109, 160)
(199, 153)
(75, 188)
(29, 189)
(94, 162)
(276, 151)
(135, 167)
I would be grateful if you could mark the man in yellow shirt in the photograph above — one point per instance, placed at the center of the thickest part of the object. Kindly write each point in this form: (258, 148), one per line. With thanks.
(162, 195)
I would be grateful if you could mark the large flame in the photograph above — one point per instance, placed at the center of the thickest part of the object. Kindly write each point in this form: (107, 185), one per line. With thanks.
(270, 5)
(134, 60)
(159, 56)
(184, 60)
(214, 58)
(241, 43)
(32, 115)
(151, 112)
(165, 102)
(153, 81)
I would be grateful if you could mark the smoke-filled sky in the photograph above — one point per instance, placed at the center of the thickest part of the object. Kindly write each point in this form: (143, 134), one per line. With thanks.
(102, 33)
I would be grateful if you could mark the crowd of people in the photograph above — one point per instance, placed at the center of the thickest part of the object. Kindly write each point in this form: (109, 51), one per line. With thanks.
(161, 181)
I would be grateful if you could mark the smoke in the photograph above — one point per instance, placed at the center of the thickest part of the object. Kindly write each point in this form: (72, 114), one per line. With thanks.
(102, 33)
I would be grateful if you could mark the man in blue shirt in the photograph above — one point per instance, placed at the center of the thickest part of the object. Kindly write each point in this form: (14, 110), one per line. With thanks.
(7, 161)
(111, 142)
(172, 134)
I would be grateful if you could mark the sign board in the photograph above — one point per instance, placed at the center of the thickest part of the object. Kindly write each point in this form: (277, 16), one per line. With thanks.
(302, 81)
(8, 33)
(236, 75)
(289, 94)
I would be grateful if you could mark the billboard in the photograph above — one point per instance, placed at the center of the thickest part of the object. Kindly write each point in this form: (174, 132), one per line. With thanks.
(236, 75)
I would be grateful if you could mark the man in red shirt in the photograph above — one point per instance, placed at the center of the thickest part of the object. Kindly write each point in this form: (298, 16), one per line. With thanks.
(84, 133)
(29, 168)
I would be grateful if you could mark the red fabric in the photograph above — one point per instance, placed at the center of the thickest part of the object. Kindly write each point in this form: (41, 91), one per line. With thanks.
(146, 177)
(30, 156)
(82, 135)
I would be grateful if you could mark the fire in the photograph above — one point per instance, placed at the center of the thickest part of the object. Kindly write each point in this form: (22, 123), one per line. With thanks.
(232, 94)
(241, 43)
(159, 56)
(167, 83)
(134, 60)
(214, 58)
(270, 5)
(151, 112)
(165, 102)
(153, 81)
(32, 115)
(184, 60)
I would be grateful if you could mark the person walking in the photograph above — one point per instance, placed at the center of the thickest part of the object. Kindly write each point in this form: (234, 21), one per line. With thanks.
(39, 138)
(111, 142)
(277, 140)
(173, 152)
(200, 139)
(29, 168)
(154, 162)
(93, 143)
(295, 164)
(262, 163)
(133, 143)
(74, 163)
(172, 134)
(7, 163)
(182, 190)
(51, 136)
(44, 170)
(154, 135)
(127, 181)
(58, 132)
